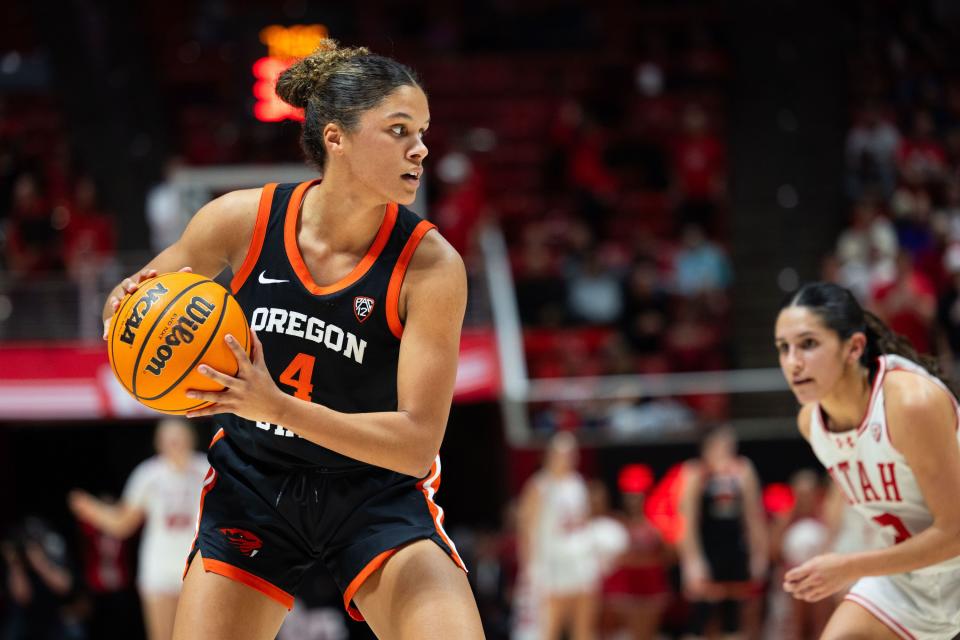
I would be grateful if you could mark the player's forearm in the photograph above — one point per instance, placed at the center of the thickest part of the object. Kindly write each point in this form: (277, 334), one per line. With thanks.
(528, 515)
(114, 521)
(757, 534)
(393, 440)
(934, 545)
(19, 585)
(58, 579)
(690, 546)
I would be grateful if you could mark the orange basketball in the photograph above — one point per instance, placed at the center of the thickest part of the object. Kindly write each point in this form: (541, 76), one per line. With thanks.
(167, 328)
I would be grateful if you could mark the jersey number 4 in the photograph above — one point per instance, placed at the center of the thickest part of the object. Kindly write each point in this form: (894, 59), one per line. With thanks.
(299, 374)
(890, 520)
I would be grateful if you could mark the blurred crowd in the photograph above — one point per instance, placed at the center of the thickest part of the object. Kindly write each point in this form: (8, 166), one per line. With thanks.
(612, 198)
(623, 268)
(51, 218)
(55, 235)
(900, 250)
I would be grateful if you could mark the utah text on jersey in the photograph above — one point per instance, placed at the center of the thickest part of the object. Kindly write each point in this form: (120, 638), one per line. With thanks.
(857, 486)
(300, 325)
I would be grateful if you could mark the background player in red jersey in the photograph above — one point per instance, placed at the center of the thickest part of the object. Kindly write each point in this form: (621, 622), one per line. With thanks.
(561, 568)
(886, 429)
(365, 117)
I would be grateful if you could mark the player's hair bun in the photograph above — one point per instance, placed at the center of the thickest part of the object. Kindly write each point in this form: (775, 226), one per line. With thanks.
(309, 75)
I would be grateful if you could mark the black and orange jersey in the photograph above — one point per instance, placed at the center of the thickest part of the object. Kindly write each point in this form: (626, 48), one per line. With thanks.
(336, 345)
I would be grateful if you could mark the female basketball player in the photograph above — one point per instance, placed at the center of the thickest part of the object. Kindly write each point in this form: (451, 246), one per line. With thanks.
(885, 427)
(562, 568)
(163, 493)
(637, 592)
(330, 431)
(724, 546)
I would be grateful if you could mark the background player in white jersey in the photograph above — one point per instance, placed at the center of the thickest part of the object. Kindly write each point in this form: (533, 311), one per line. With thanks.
(555, 549)
(885, 427)
(163, 494)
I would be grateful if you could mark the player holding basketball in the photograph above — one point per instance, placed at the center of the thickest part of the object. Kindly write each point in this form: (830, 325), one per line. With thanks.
(885, 427)
(329, 433)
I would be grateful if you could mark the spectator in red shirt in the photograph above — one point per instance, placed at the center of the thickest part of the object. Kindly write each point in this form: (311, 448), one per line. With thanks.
(89, 235)
(871, 150)
(636, 593)
(34, 243)
(921, 157)
(908, 304)
(463, 200)
(646, 309)
(579, 158)
(692, 341)
(698, 167)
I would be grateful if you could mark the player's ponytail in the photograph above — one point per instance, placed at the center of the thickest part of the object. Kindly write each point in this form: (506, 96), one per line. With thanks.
(839, 310)
(882, 339)
(336, 85)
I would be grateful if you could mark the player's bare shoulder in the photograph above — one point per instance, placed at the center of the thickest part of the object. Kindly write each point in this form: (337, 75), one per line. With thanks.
(693, 472)
(436, 269)
(436, 255)
(225, 225)
(914, 401)
(233, 214)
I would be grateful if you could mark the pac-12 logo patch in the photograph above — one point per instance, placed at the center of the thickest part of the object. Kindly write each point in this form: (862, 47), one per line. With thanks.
(245, 542)
(875, 431)
(362, 307)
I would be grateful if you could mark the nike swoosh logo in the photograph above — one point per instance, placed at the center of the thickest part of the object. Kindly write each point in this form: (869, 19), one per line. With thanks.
(265, 280)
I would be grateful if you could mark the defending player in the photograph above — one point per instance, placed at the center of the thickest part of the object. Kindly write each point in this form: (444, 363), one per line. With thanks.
(330, 432)
(885, 427)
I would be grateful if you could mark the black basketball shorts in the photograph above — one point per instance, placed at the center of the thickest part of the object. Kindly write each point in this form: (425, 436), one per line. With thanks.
(265, 525)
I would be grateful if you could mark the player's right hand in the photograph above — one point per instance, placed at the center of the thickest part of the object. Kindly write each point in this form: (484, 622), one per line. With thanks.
(127, 287)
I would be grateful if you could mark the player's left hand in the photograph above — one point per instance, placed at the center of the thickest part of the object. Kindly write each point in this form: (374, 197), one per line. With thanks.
(250, 394)
(819, 577)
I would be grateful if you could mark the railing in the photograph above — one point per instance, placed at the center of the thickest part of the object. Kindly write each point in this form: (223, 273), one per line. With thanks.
(57, 306)
(612, 410)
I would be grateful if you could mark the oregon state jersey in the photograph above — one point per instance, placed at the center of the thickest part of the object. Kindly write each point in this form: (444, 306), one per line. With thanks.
(872, 474)
(336, 345)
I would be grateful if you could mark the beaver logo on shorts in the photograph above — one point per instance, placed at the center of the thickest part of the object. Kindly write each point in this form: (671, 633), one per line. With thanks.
(245, 542)
(362, 307)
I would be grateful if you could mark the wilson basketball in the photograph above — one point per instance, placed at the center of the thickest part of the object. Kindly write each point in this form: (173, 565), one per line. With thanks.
(167, 328)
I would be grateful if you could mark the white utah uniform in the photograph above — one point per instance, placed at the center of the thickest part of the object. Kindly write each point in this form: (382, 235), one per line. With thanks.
(877, 482)
(562, 561)
(170, 500)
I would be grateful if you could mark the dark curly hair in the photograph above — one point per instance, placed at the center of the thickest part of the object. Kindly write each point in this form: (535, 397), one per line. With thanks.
(337, 84)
